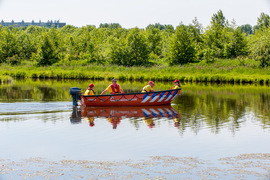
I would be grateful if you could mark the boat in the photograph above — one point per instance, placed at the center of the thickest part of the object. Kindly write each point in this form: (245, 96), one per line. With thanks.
(130, 112)
(156, 98)
(115, 115)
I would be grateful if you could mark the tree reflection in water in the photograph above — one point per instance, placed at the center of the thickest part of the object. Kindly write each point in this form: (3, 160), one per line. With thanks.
(211, 106)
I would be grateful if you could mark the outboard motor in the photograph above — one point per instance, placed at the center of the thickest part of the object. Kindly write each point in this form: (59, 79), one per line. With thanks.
(75, 117)
(76, 95)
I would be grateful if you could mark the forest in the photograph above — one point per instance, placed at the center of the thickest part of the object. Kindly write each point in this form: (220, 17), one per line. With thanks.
(154, 46)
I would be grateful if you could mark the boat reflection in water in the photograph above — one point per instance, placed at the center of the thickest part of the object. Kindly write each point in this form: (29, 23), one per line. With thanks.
(114, 115)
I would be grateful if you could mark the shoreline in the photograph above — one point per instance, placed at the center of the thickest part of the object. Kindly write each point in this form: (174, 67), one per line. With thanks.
(193, 73)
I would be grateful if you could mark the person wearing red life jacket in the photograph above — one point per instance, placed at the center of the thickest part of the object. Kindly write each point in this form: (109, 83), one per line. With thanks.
(114, 88)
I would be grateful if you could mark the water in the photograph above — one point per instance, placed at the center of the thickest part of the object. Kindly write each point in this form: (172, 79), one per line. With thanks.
(206, 121)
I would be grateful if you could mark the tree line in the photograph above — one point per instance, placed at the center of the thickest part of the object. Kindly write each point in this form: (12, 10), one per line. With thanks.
(156, 44)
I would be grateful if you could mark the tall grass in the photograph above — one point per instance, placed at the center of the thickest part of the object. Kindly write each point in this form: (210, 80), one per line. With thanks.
(5, 79)
(231, 71)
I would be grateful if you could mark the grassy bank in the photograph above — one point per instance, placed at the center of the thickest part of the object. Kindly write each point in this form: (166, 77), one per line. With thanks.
(233, 71)
(5, 79)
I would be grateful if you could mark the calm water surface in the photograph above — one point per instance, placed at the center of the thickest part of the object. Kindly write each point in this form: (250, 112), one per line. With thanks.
(206, 121)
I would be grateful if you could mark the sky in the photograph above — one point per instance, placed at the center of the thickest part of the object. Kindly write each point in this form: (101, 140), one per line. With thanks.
(132, 13)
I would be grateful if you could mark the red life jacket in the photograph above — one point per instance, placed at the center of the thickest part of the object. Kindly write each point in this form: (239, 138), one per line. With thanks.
(113, 89)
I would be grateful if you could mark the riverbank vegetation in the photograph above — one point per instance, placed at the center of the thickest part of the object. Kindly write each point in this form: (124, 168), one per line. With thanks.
(221, 71)
(221, 52)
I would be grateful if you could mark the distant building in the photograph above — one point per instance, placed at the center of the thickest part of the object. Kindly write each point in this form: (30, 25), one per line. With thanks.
(47, 24)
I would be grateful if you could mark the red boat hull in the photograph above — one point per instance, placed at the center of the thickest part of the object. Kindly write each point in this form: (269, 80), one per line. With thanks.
(133, 99)
(129, 112)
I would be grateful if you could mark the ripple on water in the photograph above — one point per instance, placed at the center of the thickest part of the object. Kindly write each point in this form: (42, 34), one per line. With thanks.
(33, 108)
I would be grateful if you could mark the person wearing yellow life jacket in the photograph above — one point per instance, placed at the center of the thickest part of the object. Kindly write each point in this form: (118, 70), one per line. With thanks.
(90, 90)
(115, 121)
(114, 88)
(176, 122)
(149, 121)
(176, 84)
(149, 87)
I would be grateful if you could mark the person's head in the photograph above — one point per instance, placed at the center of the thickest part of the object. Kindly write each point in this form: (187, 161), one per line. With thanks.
(91, 86)
(151, 125)
(176, 82)
(114, 81)
(151, 83)
(91, 124)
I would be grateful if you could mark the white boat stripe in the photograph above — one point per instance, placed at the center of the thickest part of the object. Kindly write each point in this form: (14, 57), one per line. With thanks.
(161, 110)
(162, 98)
(168, 111)
(168, 98)
(173, 97)
(146, 112)
(146, 99)
(153, 100)
(154, 111)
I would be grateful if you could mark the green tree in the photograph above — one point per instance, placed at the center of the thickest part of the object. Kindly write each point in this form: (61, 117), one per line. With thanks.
(137, 47)
(47, 53)
(263, 21)
(182, 48)
(247, 28)
(35, 30)
(153, 36)
(8, 44)
(119, 52)
(68, 29)
(196, 31)
(223, 40)
(27, 46)
(236, 44)
(111, 25)
(259, 45)
(218, 19)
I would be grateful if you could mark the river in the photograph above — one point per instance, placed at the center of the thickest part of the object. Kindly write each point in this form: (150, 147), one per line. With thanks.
(209, 131)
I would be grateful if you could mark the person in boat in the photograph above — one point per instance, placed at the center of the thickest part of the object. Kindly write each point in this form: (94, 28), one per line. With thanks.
(115, 121)
(149, 87)
(176, 84)
(90, 90)
(114, 88)
(149, 122)
(90, 121)
(176, 122)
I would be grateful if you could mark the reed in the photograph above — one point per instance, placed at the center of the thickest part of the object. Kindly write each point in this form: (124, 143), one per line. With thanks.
(229, 71)
(5, 79)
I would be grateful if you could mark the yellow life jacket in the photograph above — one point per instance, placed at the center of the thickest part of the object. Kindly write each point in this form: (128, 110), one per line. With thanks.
(89, 92)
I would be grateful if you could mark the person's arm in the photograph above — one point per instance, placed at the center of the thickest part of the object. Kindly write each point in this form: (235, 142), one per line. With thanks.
(107, 89)
(86, 92)
(104, 91)
(121, 89)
